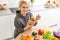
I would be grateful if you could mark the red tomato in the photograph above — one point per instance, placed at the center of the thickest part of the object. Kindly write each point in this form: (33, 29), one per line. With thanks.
(36, 38)
(40, 31)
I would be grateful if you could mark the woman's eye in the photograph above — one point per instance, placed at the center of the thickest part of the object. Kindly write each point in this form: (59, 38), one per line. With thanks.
(26, 7)
(23, 7)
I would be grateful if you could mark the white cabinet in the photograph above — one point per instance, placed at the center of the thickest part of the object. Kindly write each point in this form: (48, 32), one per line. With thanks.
(12, 17)
(5, 27)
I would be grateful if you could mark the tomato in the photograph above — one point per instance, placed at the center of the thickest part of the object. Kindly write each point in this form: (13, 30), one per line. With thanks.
(40, 31)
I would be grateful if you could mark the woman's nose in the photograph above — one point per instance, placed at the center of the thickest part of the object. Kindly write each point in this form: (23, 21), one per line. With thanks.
(25, 9)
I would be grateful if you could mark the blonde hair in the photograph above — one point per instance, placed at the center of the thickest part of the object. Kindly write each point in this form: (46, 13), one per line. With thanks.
(22, 2)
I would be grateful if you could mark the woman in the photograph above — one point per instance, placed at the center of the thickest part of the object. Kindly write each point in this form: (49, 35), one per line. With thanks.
(22, 18)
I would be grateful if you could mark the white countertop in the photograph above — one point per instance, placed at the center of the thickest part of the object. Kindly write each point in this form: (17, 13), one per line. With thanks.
(5, 12)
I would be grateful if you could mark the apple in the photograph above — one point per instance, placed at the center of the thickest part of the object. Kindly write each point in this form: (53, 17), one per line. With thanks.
(40, 31)
(36, 38)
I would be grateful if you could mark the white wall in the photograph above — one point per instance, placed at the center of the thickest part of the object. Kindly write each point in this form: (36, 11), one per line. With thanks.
(13, 3)
(3, 1)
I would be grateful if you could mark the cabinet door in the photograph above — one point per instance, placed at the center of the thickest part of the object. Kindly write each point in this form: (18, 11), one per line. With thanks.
(5, 27)
(12, 17)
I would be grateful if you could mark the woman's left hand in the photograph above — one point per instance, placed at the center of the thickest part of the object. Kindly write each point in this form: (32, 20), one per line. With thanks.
(38, 17)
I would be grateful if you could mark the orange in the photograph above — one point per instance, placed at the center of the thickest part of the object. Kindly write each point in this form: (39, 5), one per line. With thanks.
(55, 38)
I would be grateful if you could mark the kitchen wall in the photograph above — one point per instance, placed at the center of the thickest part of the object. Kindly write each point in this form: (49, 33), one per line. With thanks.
(14, 3)
(3, 1)
(11, 3)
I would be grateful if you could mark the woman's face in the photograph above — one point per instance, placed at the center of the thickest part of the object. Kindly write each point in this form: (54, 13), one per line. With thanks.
(24, 8)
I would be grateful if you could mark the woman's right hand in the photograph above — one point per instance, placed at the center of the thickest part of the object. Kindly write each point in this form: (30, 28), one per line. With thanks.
(28, 27)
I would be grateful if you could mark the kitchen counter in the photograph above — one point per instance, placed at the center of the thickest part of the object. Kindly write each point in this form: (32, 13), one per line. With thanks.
(5, 12)
(32, 9)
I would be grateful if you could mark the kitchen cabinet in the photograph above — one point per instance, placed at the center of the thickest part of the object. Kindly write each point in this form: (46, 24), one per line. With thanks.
(5, 24)
(5, 27)
(12, 17)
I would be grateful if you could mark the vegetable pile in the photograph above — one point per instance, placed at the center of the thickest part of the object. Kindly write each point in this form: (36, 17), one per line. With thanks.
(48, 35)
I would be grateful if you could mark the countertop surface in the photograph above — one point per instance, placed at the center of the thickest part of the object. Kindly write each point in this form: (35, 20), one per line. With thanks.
(5, 12)
(32, 9)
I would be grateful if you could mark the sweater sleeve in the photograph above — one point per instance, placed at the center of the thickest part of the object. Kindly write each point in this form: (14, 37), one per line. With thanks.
(18, 25)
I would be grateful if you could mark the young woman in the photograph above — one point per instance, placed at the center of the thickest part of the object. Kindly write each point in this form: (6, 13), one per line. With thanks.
(22, 18)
